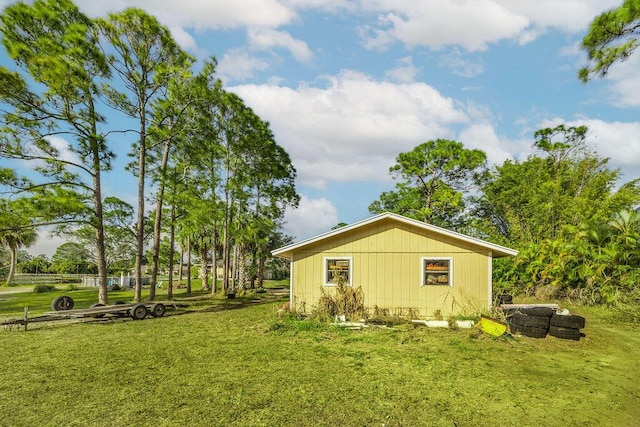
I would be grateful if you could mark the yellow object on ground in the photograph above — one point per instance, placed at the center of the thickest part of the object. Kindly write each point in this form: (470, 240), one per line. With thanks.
(492, 326)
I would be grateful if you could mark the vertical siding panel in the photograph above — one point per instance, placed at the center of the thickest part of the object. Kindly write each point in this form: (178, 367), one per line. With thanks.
(367, 269)
(398, 283)
(381, 279)
(409, 279)
(371, 241)
(316, 274)
(413, 242)
(376, 283)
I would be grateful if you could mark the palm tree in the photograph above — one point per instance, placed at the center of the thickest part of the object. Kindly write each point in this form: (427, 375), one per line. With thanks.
(15, 238)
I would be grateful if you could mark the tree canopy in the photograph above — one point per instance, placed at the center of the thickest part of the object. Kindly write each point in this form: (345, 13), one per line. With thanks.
(612, 37)
(211, 162)
(563, 208)
(434, 178)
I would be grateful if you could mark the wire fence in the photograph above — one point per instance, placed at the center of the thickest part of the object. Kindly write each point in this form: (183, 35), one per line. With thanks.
(87, 280)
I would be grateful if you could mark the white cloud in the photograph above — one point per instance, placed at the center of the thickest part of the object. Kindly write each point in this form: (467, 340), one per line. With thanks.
(474, 24)
(469, 23)
(64, 153)
(312, 217)
(404, 72)
(46, 244)
(618, 141)
(266, 39)
(459, 66)
(564, 15)
(623, 83)
(331, 6)
(352, 129)
(183, 38)
(498, 148)
(239, 64)
(202, 14)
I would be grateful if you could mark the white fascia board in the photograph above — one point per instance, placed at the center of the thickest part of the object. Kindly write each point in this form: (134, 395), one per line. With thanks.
(497, 250)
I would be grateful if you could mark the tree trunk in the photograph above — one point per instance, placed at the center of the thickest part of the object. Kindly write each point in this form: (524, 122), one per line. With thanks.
(14, 262)
(214, 269)
(204, 271)
(172, 240)
(181, 272)
(261, 270)
(142, 154)
(236, 255)
(225, 236)
(225, 250)
(241, 266)
(101, 262)
(157, 225)
(188, 264)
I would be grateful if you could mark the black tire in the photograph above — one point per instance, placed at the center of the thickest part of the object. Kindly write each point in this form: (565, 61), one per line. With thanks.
(529, 331)
(62, 303)
(505, 299)
(98, 304)
(158, 310)
(526, 320)
(537, 311)
(138, 312)
(565, 333)
(572, 321)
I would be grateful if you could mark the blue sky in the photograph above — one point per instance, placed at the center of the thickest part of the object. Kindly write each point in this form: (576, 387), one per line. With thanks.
(349, 84)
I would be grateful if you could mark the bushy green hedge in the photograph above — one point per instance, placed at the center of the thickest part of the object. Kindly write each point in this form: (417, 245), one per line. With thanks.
(39, 289)
(594, 264)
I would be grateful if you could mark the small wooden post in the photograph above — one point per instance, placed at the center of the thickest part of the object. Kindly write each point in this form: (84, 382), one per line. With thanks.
(26, 317)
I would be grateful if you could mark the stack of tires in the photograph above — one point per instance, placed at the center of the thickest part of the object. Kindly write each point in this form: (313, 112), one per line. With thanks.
(566, 326)
(537, 322)
(531, 322)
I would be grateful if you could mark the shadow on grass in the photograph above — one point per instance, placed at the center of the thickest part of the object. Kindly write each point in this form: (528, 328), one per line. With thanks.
(183, 303)
(272, 295)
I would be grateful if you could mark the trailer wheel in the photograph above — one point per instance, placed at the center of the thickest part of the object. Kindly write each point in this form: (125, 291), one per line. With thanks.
(98, 316)
(158, 310)
(62, 303)
(138, 312)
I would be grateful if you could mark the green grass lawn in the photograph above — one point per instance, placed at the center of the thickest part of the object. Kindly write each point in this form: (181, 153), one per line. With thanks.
(245, 367)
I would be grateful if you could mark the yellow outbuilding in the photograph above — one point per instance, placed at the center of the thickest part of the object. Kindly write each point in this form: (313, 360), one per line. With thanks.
(403, 266)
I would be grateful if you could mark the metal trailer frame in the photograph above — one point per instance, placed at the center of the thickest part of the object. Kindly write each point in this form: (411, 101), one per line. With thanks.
(63, 309)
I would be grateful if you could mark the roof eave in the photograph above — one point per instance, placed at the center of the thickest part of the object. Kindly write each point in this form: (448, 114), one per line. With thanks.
(496, 250)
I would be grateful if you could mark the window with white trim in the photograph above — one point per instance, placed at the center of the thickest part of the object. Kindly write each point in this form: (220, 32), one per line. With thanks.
(437, 271)
(337, 270)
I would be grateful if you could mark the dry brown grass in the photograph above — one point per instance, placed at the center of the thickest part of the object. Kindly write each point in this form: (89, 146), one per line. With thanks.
(342, 300)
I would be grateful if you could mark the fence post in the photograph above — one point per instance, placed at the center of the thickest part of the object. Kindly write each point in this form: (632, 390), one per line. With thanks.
(26, 317)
